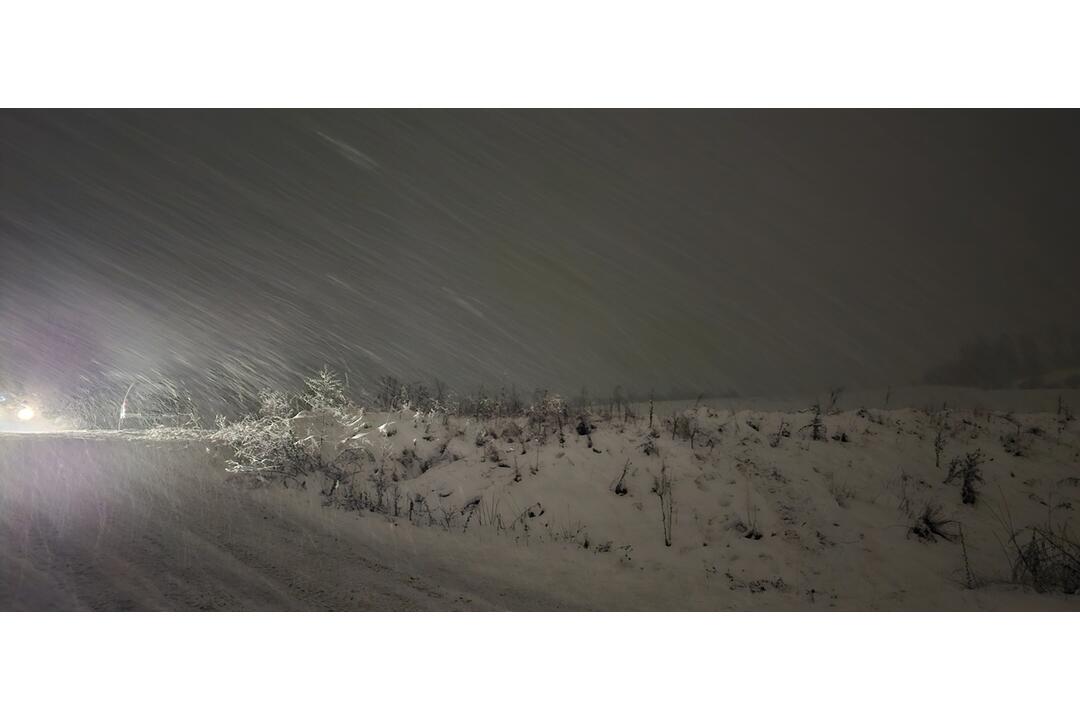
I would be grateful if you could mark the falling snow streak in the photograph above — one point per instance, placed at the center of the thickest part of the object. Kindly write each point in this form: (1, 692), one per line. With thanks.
(682, 251)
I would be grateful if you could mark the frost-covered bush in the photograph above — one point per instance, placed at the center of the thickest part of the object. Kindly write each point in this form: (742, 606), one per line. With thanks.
(264, 444)
(273, 403)
(546, 412)
(324, 391)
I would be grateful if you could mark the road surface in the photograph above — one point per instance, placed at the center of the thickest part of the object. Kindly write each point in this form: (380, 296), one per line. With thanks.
(116, 522)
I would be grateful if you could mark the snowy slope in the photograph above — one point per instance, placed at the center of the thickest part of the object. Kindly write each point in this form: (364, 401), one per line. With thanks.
(479, 516)
(805, 524)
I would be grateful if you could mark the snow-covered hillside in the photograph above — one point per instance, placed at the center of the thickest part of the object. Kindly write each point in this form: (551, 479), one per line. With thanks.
(752, 513)
(704, 509)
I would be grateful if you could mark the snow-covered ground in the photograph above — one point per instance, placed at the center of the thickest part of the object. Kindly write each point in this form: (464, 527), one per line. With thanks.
(757, 521)
(476, 515)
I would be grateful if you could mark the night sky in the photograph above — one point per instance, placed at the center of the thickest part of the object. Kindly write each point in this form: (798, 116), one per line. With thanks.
(696, 251)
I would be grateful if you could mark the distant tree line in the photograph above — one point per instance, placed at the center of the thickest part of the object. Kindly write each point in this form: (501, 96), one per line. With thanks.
(192, 394)
(1027, 360)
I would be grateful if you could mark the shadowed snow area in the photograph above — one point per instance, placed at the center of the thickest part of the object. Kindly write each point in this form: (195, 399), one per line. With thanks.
(115, 522)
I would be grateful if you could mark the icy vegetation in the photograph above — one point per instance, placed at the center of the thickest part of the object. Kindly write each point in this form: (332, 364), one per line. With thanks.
(696, 506)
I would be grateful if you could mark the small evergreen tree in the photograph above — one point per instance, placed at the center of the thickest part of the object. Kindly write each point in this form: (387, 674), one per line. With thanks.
(324, 390)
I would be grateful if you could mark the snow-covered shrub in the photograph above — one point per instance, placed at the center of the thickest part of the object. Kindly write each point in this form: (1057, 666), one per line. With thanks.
(782, 432)
(273, 403)
(1046, 558)
(324, 390)
(264, 444)
(1017, 444)
(684, 426)
(968, 470)
(930, 523)
(547, 411)
(939, 443)
(817, 428)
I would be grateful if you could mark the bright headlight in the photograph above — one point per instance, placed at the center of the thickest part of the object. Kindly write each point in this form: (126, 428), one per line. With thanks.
(25, 413)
